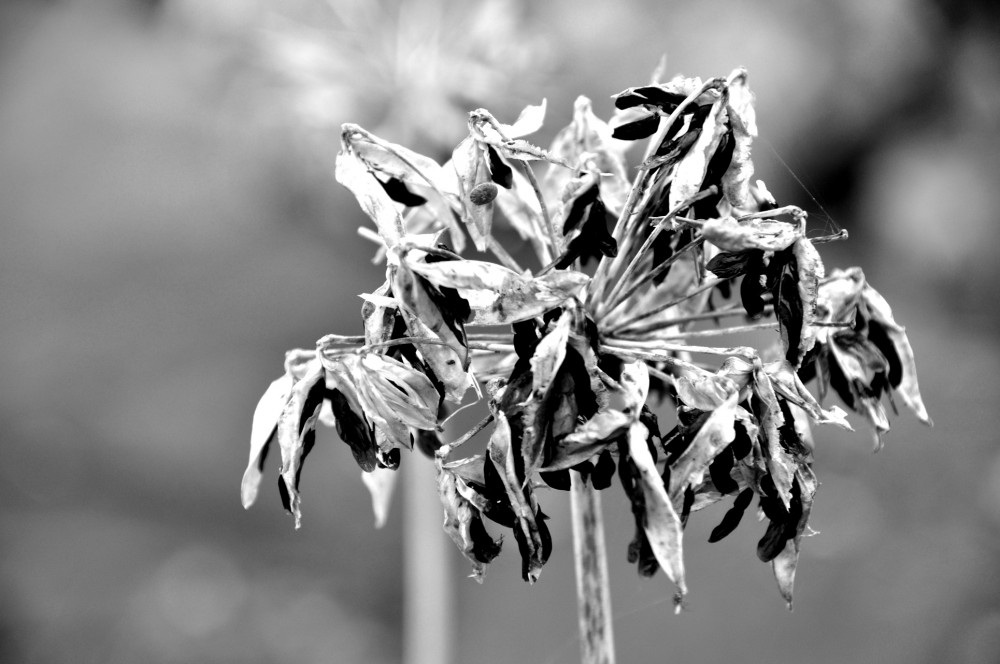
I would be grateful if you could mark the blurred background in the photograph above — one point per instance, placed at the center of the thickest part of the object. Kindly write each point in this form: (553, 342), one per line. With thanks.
(170, 226)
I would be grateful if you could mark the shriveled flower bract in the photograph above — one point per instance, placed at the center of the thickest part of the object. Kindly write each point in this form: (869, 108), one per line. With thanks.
(639, 272)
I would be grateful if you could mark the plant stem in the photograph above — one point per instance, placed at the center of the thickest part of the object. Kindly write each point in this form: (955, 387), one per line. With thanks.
(593, 592)
(428, 595)
(546, 218)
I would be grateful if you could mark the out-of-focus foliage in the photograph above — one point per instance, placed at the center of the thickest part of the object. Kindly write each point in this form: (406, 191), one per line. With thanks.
(165, 240)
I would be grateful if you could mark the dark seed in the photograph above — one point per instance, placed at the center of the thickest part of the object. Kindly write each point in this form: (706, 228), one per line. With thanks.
(483, 193)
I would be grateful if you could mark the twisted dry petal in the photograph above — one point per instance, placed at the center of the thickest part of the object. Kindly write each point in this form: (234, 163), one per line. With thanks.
(498, 295)
(787, 383)
(265, 422)
(785, 563)
(779, 463)
(471, 168)
(528, 122)
(714, 435)
(352, 173)
(908, 388)
(662, 525)
(401, 391)
(634, 383)
(550, 353)
(296, 433)
(811, 273)
(690, 172)
(743, 120)
(522, 500)
(588, 439)
(703, 390)
(458, 515)
(380, 483)
(449, 360)
(394, 160)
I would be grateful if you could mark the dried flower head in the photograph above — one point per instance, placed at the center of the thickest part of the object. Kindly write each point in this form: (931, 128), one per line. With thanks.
(574, 365)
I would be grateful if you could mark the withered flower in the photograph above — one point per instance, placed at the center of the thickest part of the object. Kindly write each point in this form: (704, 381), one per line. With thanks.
(573, 361)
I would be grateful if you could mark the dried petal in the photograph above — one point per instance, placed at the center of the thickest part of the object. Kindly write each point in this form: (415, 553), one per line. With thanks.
(743, 121)
(662, 525)
(528, 122)
(296, 434)
(424, 318)
(635, 130)
(786, 382)
(765, 234)
(354, 429)
(469, 163)
(529, 530)
(265, 423)
(588, 439)
(377, 204)
(380, 483)
(907, 386)
(810, 273)
(690, 172)
(713, 436)
(780, 465)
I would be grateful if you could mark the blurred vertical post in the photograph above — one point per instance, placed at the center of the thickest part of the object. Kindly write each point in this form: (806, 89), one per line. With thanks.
(593, 593)
(428, 594)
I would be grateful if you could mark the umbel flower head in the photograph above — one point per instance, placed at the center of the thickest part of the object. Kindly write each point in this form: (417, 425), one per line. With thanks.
(599, 359)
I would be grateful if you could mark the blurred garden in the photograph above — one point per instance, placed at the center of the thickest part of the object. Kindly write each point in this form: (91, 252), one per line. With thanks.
(171, 226)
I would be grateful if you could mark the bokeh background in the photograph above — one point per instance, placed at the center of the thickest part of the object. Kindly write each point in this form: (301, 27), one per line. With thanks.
(170, 225)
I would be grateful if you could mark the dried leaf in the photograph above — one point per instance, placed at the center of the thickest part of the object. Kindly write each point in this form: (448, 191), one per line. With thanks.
(380, 483)
(662, 525)
(265, 423)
